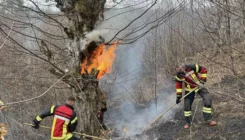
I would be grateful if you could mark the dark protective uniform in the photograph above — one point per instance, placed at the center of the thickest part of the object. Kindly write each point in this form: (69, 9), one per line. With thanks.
(193, 75)
(101, 111)
(64, 121)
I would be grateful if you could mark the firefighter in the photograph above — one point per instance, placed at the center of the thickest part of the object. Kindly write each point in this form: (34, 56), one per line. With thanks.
(64, 121)
(192, 76)
(102, 110)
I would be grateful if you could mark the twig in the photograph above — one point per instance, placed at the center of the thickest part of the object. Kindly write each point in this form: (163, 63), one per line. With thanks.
(168, 110)
(193, 118)
(132, 21)
(213, 91)
(46, 127)
(7, 36)
(133, 97)
(241, 100)
(27, 100)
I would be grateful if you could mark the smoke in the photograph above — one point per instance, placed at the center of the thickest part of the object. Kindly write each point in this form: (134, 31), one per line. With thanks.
(127, 115)
(129, 112)
(132, 118)
(96, 35)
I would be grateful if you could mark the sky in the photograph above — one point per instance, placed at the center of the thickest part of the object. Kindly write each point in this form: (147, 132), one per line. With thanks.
(43, 4)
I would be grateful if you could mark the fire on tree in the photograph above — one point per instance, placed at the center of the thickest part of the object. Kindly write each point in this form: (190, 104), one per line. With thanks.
(94, 61)
(98, 58)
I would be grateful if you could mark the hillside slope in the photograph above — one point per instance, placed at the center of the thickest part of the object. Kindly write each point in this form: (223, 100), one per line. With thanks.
(228, 91)
(228, 112)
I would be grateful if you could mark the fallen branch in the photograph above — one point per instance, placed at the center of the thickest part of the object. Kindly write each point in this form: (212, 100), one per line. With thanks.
(168, 110)
(7, 36)
(240, 100)
(193, 119)
(77, 133)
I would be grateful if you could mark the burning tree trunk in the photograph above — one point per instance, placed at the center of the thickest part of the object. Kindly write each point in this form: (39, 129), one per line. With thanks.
(95, 60)
(88, 99)
(83, 15)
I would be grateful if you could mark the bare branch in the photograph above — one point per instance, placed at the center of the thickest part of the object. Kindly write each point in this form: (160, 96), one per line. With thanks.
(7, 36)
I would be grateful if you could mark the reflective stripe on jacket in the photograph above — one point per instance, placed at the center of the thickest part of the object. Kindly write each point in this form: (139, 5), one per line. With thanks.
(191, 77)
(64, 121)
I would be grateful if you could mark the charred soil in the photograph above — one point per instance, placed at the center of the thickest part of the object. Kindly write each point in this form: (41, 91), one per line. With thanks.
(228, 111)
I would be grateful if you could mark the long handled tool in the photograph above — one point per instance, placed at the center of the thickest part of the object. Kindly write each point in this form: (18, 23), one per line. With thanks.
(168, 110)
(82, 134)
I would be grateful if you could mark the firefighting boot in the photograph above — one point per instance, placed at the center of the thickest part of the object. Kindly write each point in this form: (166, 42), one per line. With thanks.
(188, 120)
(187, 126)
(212, 123)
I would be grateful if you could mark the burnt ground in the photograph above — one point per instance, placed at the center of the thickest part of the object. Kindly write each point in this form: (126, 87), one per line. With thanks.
(229, 112)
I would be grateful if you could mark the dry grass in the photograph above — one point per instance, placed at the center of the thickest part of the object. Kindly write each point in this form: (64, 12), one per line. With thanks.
(3, 131)
(220, 65)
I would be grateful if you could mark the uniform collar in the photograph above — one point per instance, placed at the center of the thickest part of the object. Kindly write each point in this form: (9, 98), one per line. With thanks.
(180, 74)
(71, 107)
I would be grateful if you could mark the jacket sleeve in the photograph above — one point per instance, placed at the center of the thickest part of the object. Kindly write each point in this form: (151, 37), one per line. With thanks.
(199, 69)
(73, 124)
(46, 113)
(203, 71)
(178, 85)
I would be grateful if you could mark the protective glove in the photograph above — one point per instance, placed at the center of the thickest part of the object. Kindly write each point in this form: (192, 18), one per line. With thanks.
(178, 100)
(36, 124)
(201, 84)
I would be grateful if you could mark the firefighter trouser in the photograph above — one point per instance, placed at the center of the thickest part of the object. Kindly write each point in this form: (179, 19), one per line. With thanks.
(68, 137)
(207, 104)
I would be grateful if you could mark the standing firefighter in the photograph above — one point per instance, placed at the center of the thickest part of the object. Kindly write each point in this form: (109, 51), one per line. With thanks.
(64, 121)
(192, 76)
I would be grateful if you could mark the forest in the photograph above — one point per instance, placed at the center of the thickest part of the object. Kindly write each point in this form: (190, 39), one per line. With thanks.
(121, 55)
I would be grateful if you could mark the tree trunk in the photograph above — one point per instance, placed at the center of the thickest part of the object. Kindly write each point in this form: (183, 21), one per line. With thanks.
(243, 15)
(87, 107)
(192, 32)
(228, 24)
(83, 15)
(228, 35)
(219, 24)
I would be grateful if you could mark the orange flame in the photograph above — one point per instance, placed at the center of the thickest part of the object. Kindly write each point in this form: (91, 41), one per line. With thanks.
(101, 59)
